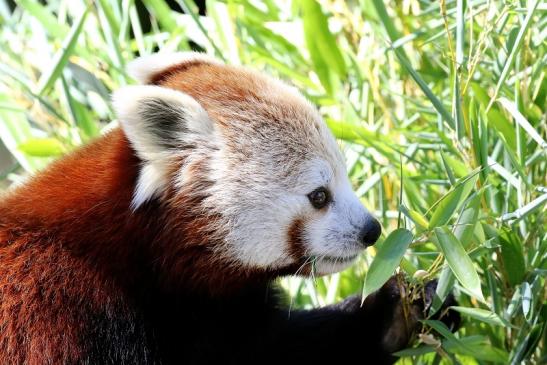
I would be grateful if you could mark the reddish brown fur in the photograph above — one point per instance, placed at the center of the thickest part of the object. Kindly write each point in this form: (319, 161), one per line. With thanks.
(160, 77)
(295, 240)
(69, 245)
(239, 101)
(297, 247)
(72, 250)
(223, 89)
(52, 252)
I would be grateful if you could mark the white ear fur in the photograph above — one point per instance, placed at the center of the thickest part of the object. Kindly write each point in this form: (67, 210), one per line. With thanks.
(143, 68)
(159, 123)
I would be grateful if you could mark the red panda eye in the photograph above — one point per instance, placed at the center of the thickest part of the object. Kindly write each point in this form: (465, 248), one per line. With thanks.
(319, 198)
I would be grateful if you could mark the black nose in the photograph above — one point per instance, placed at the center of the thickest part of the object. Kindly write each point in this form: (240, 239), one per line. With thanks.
(370, 232)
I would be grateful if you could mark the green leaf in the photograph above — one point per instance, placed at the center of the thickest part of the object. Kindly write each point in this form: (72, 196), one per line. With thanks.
(423, 85)
(460, 31)
(519, 118)
(467, 221)
(218, 12)
(42, 147)
(516, 46)
(415, 217)
(80, 114)
(482, 315)
(444, 288)
(61, 58)
(526, 344)
(477, 347)
(163, 14)
(459, 262)
(45, 17)
(387, 259)
(512, 257)
(109, 14)
(324, 52)
(458, 112)
(452, 201)
(494, 117)
(527, 209)
(190, 8)
(323, 38)
(448, 170)
(384, 17)
(441, 328)
(459, 168)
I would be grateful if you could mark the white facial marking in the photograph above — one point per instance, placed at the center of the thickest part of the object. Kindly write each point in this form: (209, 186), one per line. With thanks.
(265, 151)
(263, 201)
(334, 237)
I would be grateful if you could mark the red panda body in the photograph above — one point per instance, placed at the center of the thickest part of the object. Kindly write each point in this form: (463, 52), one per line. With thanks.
(62, 239)
(102, 262)
(74, 256)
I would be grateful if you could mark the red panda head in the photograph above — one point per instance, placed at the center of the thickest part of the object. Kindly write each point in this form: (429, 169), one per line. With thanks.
(272, 183)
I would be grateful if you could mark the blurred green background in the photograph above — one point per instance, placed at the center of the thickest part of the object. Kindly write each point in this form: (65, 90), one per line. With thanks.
(439, 107)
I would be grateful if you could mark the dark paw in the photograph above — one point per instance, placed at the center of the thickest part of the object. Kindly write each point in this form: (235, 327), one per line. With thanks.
(449, 317)
(402, 306)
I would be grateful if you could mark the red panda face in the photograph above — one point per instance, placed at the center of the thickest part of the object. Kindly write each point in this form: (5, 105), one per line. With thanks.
(275, 180)
(340, 228)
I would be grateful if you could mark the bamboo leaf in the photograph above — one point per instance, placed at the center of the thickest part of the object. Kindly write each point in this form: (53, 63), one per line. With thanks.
(387, 259)
(415, 217)
(163, 14)
(61, 58)
(448, 170)
(322, 37)
(467, 221)
(325, 55)
(482, 315)
(512, 257)
(459, 262)
(516, 46)
(426, 90)
(444, 288)
(392, 32)
(452, 201)
(519, 118)
(479, 348)
(42, 147)
(44, 16)
(441, 328)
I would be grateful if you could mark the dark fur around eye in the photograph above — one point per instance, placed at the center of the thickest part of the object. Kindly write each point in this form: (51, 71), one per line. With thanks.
(319, 198)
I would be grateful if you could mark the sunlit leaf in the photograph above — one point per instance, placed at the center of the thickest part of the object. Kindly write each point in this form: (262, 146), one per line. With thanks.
(459, 261)
(451, 201)
(61, 58)
(416, 217)
(482, 315)
(326, 57)
(42, 147)
(387, 259)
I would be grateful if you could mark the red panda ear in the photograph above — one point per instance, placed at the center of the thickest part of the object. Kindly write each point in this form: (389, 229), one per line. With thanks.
(160, 124)
(145, 69)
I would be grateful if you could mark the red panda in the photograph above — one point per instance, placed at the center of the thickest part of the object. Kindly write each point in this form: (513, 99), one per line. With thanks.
(158, 243)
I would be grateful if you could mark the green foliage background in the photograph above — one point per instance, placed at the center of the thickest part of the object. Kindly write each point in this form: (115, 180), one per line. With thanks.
(439, 106)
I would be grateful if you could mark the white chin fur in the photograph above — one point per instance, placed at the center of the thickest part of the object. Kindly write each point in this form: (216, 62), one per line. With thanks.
(327, 266)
